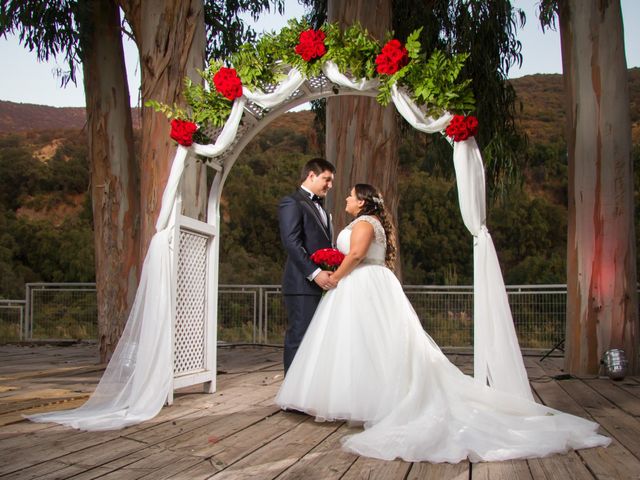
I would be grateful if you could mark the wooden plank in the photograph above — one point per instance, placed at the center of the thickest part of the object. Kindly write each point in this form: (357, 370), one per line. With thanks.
(222, 452)
(440, 471)
(610, 389)
(279, 454)
(53, 405)
(87, 458)
(507, 470)
(238, 432)
(559, 467)
(612, 462)
(619, 424)
(326, 461)
(156, 463)
(171, 456)
(181, 438)
(374, 469)
(630, 386)
(101, 470)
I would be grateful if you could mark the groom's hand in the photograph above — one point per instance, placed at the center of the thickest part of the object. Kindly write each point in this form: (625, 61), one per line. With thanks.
(322, 279)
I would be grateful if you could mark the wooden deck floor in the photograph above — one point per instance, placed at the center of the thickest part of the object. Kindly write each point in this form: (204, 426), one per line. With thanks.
(238, 432)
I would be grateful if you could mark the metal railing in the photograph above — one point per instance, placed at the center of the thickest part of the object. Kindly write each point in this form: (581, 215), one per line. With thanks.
(256, 313)
(61, 311)
(12, 320)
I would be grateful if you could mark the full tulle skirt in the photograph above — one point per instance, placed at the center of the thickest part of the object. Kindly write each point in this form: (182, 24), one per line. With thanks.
(366, 358)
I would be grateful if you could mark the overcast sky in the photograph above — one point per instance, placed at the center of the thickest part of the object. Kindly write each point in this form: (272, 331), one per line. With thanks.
(28, 81)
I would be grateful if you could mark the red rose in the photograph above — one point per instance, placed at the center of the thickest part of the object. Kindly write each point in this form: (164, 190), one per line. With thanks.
(461, 128)
(311, 44)
(182, 131)
(327, 258)
(393, 57)
(472, 125)
(228, 83)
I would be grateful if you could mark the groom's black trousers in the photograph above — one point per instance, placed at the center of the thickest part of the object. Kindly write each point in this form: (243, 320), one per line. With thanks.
(300, 310)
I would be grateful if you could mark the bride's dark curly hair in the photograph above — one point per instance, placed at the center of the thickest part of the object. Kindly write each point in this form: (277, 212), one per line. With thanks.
(374, 205)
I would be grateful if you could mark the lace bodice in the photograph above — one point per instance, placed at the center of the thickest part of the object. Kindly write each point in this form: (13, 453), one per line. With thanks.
(378, 248)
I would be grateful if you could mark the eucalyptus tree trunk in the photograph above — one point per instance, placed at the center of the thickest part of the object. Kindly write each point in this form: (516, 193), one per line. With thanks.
(601, 273)
(362, 137)
(171, 40)
(114, 178)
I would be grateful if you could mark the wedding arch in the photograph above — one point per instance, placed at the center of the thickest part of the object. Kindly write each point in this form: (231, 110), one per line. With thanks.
(170, 337)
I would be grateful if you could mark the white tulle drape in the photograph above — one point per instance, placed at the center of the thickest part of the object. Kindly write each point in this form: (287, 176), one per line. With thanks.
(135, 384)
(497, 358)
(137, 380)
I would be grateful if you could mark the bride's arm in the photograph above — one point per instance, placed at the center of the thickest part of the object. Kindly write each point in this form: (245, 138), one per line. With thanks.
(361, 237)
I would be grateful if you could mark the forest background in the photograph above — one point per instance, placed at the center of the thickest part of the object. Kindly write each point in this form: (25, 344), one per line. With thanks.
(46, 221)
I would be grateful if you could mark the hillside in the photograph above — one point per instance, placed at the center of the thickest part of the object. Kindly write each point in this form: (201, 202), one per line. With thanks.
(541, 106)
(540, 110)
(46, 212)
(22, 117)
(26, 117)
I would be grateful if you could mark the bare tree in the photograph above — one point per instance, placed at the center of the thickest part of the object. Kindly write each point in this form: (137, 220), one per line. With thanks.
(362, 137)
(601, 257)
(114, 171)
(171, 41)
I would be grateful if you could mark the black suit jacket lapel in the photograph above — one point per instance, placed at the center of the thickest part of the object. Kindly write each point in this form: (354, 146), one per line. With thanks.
(316, 214)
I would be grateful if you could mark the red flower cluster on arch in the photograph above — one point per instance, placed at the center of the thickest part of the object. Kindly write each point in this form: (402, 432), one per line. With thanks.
(393, 57)
(461, 127)
(228, 83)
(214, 105)
(182, 131)
(311, 44)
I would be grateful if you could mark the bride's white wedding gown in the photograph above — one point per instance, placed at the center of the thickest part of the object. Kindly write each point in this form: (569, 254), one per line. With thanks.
(366, 357)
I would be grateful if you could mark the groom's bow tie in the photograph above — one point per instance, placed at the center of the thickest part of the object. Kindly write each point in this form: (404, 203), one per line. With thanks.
(317, 199)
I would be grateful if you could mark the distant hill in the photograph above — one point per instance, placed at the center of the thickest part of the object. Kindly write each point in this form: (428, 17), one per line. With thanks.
(540, 110)
(540, 107)
(25, 117)
(22, 117)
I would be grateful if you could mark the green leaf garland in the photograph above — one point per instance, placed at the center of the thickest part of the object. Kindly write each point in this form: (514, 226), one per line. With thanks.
(432, 83)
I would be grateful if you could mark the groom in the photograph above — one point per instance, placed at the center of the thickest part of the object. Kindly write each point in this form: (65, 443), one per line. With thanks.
(305, 226)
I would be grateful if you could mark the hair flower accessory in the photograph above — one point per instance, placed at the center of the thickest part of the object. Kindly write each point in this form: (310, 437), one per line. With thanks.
(182, 131)
(393, 57)
(461, 128)
(311, 44)
(378, 201)
(228, 83)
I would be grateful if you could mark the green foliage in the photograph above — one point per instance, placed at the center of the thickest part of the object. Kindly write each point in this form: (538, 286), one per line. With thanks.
(435, 247)
(353, 50)
(49, 28)
(37, 243)
(484, 31)
(436, 85)
(225, 29)
(432, 83)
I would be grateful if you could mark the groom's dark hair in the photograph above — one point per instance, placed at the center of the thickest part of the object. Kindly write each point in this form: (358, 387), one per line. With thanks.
(317, 166)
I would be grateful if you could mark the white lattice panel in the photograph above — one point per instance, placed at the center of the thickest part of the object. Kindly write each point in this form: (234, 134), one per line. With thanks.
(190, 322)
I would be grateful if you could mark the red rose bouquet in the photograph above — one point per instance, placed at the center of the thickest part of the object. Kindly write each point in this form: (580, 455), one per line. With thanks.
(394, 56)
(182, 131)
(327, 258)
(462, 127)
(311, 44)
(228, 83)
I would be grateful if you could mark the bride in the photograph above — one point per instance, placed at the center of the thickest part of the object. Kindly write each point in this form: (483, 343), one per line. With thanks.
(366, 358)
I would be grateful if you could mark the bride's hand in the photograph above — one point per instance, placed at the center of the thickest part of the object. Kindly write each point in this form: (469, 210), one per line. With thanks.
(323, 279)
(333, 280)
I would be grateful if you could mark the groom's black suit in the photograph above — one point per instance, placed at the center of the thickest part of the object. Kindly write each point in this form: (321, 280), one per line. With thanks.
(302, 232)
